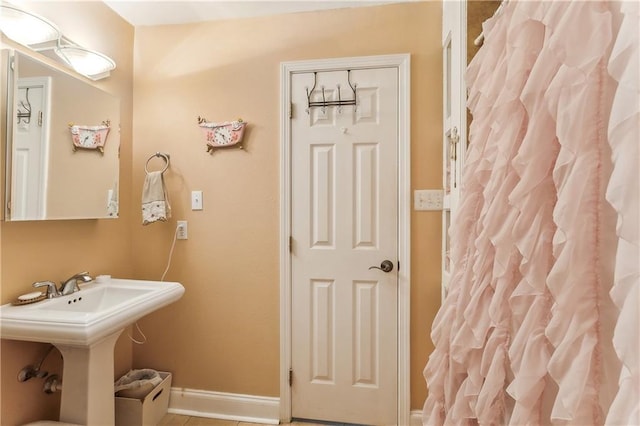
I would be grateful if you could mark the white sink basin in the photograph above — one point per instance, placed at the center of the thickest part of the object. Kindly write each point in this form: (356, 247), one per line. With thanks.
(88, 315)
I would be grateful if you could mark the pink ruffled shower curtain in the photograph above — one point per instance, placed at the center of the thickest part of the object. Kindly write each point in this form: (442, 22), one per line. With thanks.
(541, 322)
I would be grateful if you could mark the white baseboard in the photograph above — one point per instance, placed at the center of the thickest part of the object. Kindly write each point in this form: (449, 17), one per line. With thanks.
(416, 417)
(238, 407)
(227, 406)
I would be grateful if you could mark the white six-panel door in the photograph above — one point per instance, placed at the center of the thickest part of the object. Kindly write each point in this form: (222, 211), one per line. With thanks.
(344, 221)
(454, 53)
(30, 150)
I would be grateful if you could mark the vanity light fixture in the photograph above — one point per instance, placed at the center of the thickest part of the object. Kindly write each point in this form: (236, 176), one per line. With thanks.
(87, 62)
(40, 34)
(25, 27)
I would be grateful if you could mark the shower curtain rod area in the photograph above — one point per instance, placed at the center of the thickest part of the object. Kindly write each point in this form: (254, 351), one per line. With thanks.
(479, 41)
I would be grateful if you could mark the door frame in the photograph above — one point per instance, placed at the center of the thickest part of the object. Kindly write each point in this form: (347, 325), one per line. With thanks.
(454, 33)
(402, 63)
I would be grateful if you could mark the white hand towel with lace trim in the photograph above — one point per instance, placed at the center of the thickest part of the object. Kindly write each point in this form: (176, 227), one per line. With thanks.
(155, 200)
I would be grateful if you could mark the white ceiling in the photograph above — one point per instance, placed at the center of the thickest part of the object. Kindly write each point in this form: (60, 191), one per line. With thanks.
(149, 12)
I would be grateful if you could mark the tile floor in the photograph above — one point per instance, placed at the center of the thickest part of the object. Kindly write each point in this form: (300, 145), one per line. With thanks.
(177, 420)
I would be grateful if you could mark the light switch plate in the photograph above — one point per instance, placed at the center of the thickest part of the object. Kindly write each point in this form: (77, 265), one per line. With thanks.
(196, 200)
(428, 199)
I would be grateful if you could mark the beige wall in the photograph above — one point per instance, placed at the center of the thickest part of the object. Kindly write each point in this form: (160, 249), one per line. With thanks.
(80, 180)
(223, 335)
(54, 250)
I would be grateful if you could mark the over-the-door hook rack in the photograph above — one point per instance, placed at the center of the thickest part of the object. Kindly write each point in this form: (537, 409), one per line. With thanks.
(25, 112)
(325, 103)
(165, 157)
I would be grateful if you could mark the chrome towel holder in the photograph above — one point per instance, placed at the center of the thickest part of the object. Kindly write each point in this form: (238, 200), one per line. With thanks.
(165, 157)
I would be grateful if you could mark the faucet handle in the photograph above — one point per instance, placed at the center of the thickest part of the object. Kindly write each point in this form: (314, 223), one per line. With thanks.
(52, 291)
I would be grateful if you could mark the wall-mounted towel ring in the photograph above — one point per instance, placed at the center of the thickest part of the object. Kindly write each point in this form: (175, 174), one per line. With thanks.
(162, 155)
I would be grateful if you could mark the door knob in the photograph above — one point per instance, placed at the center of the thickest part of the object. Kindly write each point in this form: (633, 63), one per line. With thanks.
(385, 266)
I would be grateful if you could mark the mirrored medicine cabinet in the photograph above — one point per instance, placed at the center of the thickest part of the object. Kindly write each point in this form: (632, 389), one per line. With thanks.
(62, 143)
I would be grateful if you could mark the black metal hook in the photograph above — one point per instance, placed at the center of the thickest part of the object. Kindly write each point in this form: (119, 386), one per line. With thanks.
(324, 103)
(26, 114)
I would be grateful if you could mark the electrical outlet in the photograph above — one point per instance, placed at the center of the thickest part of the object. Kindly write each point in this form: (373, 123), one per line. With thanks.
(428, 199)
(182, 230)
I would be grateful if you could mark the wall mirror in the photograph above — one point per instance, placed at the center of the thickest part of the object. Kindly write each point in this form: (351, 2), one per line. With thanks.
(62, 144)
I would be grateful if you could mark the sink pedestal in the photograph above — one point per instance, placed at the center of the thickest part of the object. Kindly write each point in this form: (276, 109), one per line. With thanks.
(87, 383)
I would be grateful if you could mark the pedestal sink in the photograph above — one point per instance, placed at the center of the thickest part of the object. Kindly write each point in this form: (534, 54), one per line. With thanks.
(84, 326)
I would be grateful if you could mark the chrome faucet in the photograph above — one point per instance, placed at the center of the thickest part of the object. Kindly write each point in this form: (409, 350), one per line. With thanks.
(70, 285)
